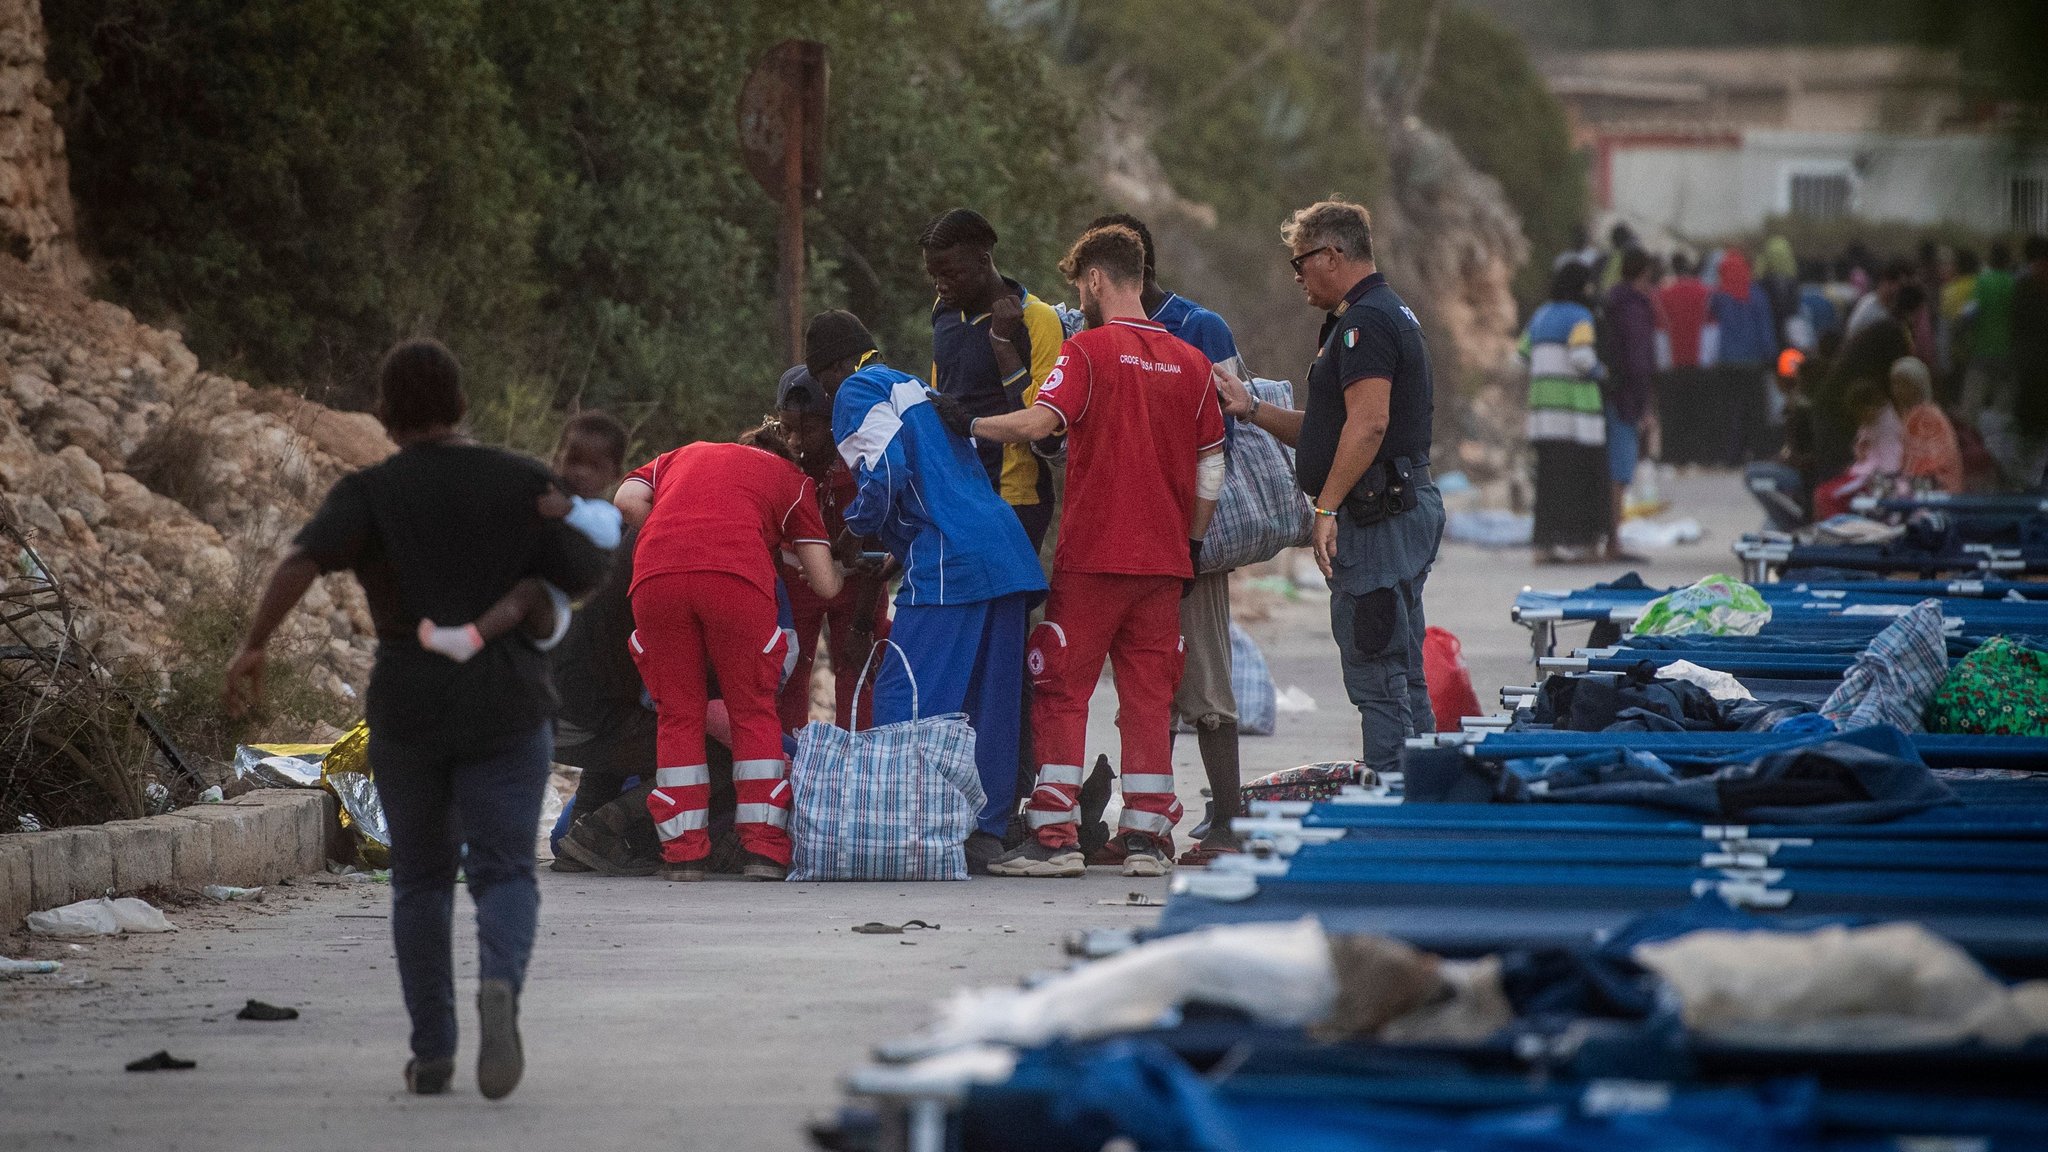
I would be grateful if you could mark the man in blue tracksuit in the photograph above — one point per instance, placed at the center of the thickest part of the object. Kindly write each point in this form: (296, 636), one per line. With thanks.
(970, 576)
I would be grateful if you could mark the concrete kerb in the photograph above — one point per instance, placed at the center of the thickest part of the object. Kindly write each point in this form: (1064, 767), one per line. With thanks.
(258, 838)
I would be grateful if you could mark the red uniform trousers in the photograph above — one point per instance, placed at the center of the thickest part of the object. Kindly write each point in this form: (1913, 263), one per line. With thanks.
(811, 614)
(689, 624)
(1135, 621)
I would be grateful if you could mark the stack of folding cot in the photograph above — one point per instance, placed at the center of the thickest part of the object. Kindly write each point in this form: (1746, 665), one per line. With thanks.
(1549, 859)
(1992, 535)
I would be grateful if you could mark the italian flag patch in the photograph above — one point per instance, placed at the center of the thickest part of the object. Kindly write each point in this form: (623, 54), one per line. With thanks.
(1351, 338)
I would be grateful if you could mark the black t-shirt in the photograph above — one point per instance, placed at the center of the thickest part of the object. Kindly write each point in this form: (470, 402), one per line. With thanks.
(441, 531)
(594, 670)
(1373, 335)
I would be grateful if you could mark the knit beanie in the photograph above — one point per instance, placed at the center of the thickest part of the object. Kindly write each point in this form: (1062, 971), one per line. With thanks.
(833, 336)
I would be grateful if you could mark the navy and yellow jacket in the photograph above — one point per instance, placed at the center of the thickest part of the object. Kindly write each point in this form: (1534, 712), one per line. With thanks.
(964, 368)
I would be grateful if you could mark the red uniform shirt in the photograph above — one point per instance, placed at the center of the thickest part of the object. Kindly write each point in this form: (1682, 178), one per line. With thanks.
(1684, 301)
(724, 508)
(834, 496)
(1139, 409)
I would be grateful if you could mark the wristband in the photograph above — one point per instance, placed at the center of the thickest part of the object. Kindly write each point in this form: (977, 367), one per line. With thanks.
(1004, 339)
(1322, 511)
(972, 421)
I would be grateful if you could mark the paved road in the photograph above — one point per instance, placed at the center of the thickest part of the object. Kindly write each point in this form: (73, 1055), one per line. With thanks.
(717, 1015)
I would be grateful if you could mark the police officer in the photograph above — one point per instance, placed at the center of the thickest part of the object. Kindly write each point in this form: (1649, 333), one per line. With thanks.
(1362, 454)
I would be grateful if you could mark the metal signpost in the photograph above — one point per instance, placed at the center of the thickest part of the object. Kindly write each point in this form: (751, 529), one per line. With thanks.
(782, 140)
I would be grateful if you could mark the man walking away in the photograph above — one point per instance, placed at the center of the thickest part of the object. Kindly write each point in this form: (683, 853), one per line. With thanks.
(1145, 464)
(1628, 347)
(1362, 454)
(993, 345)
(443, 529)
(970, 578)
(1205, 699)
(1987, 382)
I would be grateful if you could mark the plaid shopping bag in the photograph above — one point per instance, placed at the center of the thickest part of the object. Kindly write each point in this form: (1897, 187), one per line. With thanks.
(1260, 511)
(892, 803)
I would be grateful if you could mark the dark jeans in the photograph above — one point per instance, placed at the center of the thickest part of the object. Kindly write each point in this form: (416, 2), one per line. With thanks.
(1379, 640)
(621, 748)
(436, 803)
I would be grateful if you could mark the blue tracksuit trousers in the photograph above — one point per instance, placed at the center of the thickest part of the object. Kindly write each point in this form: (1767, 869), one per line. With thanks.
(967, 658)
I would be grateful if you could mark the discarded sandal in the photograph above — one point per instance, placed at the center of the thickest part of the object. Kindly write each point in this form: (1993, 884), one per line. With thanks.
(258, 1010)
(161, 1061)
(877, 928)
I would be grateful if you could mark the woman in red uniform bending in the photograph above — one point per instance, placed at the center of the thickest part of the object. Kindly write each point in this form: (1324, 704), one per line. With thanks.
(712, 519)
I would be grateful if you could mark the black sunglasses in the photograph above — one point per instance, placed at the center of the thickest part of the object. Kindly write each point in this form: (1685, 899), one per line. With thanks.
(1298, 261)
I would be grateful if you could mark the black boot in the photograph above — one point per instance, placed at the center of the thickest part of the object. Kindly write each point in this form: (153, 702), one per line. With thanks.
(1094, 802)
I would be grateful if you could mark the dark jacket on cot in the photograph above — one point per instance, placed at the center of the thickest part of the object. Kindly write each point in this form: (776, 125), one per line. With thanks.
(441, 531)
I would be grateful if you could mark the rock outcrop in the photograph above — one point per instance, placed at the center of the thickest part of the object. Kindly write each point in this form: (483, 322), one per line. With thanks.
(36, 220)
(150, 486)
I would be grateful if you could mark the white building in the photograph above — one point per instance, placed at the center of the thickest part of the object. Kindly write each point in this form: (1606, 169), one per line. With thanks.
(1699, 144)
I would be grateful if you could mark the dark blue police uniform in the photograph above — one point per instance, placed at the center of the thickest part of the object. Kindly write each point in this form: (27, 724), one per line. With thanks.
(1382, 558)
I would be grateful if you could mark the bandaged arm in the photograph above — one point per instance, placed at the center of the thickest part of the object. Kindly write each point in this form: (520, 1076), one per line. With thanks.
(1209, 469)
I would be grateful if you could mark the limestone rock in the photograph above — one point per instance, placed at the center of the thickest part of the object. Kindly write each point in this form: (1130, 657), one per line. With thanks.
(150, 485)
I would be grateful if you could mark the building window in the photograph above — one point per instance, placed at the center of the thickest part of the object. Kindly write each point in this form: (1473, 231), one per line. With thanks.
(1822, 195)
(2028, 204)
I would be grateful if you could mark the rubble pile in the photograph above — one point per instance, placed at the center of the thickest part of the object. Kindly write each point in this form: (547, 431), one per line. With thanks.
(149, 486)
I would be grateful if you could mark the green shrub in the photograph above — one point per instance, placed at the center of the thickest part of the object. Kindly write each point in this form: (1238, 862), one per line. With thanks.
(206, 632)
(550, 186)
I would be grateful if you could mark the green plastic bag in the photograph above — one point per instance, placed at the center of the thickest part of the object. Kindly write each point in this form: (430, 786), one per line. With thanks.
(1716, 606)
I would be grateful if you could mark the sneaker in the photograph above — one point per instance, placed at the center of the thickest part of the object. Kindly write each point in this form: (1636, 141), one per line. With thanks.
(1035, 859)
(591, 845)
(754, 866)
(500, 1060)
(1114, 853)
(981, 848)
(430, 1078)
(1143, 855)
(681, 872)
(565, 864)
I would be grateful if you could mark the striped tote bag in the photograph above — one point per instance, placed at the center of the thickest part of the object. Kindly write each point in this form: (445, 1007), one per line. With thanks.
(891, 803)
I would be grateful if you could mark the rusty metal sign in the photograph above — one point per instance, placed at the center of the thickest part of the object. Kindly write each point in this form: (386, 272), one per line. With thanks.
(785, 95)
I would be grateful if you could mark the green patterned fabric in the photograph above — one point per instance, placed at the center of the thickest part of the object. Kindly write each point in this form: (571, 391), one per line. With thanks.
(2001, 689)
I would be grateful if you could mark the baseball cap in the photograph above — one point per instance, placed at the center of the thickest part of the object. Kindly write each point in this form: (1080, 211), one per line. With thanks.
(798, 391)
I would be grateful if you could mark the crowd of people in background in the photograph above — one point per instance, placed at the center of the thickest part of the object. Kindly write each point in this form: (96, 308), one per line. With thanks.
(1832, 379)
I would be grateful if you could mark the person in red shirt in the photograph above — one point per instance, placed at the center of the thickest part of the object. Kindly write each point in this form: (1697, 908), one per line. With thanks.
(712, 519)
(854, 620)
(1144, 466)
(1683, 300)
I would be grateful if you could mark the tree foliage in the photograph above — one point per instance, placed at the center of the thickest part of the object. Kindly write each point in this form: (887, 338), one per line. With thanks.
(551, 186)
(296, 184)
(1484, 93)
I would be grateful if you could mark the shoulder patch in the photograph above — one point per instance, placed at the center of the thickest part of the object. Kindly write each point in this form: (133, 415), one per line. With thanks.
(1351, 338)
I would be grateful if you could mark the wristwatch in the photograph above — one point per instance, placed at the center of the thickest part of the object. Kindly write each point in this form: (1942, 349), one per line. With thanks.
(1254, 413)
